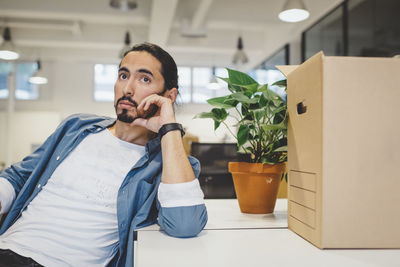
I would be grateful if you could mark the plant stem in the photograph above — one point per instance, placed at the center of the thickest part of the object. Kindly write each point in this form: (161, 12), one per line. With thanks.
(240, 114)
(229, 129)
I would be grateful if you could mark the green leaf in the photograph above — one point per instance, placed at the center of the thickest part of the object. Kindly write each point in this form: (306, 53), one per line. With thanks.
(266, 160)
(222, 102)
(239, 78)
(281, 149)
(243, 134)
(242, 98)
(272, 96)
(259, 114)
(271, 127)
(262, 101)
(250, 88)
(204, 115)
(280, 115)
(281, 83)
(216, 124)
(219, 113)
(263, 88)
(224, 79)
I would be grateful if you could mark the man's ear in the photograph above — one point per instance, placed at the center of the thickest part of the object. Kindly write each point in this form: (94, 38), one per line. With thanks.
(171, 94)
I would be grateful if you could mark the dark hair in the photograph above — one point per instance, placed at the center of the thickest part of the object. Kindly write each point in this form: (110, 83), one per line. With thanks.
(168, 66)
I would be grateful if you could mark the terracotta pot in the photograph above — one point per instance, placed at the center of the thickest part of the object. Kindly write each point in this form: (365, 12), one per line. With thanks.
(256, 185)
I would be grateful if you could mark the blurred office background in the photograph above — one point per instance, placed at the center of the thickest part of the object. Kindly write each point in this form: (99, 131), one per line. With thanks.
(77, 45)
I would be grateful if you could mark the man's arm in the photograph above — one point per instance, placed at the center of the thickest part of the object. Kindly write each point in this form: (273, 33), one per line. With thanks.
(176, 166)
(182, 212)
(7, 195)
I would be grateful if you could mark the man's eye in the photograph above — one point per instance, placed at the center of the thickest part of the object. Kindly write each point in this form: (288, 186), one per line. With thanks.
(123, 76)
(145, 79)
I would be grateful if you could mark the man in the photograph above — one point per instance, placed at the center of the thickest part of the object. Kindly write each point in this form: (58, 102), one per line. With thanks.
(77, 199)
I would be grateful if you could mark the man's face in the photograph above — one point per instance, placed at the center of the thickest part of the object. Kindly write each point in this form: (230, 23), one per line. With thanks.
(138, 77)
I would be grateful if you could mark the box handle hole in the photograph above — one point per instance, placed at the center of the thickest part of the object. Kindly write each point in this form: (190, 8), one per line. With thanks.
(301, 108)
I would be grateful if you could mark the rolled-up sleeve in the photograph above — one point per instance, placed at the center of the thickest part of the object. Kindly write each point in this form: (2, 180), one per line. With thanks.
(182, 212)
(181, 194)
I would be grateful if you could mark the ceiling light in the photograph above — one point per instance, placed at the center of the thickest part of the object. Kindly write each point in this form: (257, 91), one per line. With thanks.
(240, 56)
(38, 77)
(127, 45)
(123, 5)
(7, 48)
(294, 11)
(213, 84)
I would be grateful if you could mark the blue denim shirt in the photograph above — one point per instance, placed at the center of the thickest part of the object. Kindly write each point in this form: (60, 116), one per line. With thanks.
(137, 204)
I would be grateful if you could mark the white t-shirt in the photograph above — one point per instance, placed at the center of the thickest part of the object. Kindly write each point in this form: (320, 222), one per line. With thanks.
(73, 220)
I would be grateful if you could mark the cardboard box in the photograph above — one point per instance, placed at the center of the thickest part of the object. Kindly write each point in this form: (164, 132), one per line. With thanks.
(344, 151)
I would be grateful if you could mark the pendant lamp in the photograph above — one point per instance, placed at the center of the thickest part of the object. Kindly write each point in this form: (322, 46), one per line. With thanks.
(123, 5)
(127, 45)
(213, 84)
(294, 11)
(7, 48)
(240, 56)
(38, 77)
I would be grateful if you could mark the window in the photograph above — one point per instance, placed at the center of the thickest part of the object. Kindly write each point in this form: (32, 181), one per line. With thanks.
(326, 35)
(185, 85)
(374, 28)
(24, 90)
(367, 28)
(105, 76)
(5, 69)
(194, 84)
(266, 72)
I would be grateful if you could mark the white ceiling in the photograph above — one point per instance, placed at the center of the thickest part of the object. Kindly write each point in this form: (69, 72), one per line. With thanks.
(90, 30)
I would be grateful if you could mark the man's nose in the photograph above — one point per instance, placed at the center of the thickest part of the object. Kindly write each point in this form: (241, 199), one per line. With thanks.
(129, 88)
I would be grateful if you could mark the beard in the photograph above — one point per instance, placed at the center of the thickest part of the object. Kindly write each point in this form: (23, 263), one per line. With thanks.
(124, 115)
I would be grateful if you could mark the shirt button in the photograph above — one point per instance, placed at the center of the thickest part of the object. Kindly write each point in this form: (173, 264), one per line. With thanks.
(122, 225)
(38, 186)
(58, 157)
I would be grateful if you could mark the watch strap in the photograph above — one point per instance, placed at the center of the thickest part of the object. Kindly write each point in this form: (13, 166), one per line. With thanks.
(170, 127)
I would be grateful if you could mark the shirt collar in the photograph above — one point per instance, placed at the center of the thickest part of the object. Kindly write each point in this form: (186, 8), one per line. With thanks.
(152, 146)
(107, 122)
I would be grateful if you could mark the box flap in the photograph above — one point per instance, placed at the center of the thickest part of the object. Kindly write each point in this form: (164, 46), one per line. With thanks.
(286, 69)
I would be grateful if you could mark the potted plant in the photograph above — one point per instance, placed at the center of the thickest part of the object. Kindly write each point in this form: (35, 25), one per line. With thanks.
(261, 131)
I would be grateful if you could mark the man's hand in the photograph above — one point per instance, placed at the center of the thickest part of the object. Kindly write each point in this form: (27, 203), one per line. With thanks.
(176, 166)
(165, 113)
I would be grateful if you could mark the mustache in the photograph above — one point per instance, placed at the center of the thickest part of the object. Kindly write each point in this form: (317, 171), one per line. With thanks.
(128, 99)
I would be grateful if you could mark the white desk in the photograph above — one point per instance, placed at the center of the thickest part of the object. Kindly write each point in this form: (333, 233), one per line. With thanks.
(226, 214)
(235, 239)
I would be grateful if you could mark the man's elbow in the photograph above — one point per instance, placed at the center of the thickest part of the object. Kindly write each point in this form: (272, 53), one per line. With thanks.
(183, 222)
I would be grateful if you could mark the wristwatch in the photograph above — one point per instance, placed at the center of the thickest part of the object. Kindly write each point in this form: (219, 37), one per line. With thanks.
(170, 127)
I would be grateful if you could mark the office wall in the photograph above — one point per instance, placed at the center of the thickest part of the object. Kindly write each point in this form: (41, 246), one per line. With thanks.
(28, 129)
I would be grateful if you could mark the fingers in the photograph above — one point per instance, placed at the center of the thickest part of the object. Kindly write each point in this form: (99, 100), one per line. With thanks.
(152, 99)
